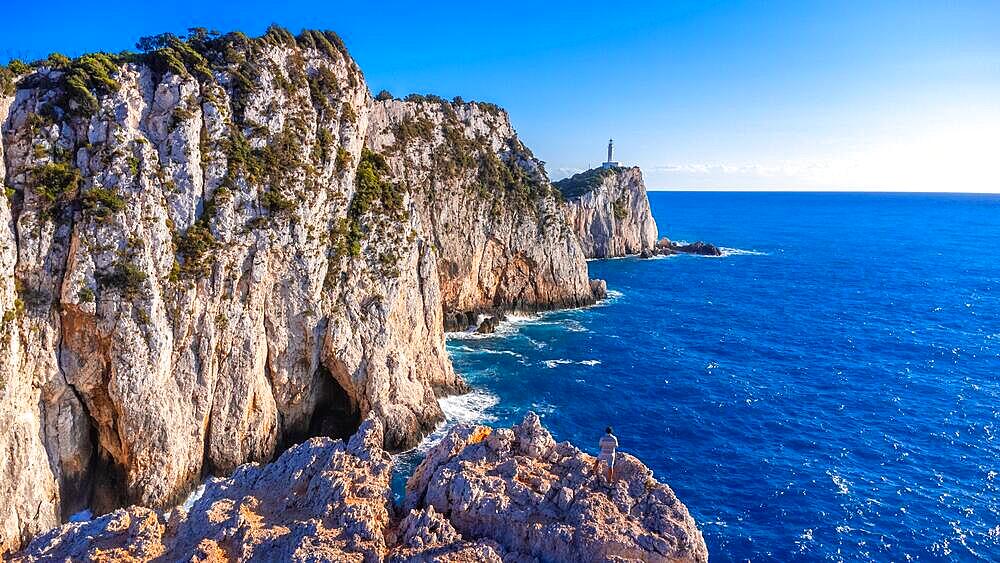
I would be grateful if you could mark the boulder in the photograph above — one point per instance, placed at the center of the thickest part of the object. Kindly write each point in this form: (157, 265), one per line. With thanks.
(488, 325)
(599, 289)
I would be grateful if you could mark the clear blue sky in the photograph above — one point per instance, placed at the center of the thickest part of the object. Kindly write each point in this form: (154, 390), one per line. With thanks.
(780, 95)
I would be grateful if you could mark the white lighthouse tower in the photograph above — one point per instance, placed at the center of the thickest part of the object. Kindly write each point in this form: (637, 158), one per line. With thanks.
(611, 163)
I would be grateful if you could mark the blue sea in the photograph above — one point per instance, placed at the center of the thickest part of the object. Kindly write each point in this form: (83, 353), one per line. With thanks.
(828, 390)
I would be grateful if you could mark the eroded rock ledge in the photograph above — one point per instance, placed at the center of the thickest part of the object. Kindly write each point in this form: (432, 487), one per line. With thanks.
(480, 495)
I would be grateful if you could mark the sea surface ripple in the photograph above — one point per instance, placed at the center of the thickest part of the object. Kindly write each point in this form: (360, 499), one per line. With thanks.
(829, 390)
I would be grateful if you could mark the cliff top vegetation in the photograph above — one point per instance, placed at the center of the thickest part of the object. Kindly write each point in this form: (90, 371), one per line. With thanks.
(584, 182)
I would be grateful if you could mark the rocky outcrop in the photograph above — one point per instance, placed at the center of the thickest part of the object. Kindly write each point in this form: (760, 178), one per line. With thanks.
(320, 501)
(481, 495)
(609, 211)
(223, 246)
(540, 499)
(667, 247)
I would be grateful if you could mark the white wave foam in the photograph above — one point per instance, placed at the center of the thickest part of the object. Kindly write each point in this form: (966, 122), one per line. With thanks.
(193, 497)
(590, 362)
(536, 343)
(843, 486)
(471, 408)
(551, 364)
(506, 327)
(488, 351)
(726, 251)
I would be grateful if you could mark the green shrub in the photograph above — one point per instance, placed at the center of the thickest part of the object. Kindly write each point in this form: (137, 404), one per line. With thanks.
(85, 295)
(57, 60)
(343, 159)
(321, 148)
(57, 184)
(180, 114)
(584, 182)
(195, 247)
(168, 53)
(323, 86)
(326, 42)
(125, 277)
(383, 96)
(87, 74)
(18, 67)
(425, 98)
(372, 194)
(6, 81)
(414, 128)
(347, 114)
(102, 202)
(275, 202)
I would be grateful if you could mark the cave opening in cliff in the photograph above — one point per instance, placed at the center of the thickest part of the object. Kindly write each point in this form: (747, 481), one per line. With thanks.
(335, 415)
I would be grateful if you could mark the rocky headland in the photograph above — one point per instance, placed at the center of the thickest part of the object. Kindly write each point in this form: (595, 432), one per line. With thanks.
(608, 209)
(221, 246)
(481, 494)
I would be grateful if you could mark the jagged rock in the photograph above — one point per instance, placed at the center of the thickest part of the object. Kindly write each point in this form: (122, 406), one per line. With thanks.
(426, 535)
(599, 289)
(319, 501)
(609, 211)
(200, 266)
(702, 248)
(541, 499)
(666, 247)
(505, 495)
(489, 325)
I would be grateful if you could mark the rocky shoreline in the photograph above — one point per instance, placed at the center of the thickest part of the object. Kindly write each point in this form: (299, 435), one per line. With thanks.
(222, 246)
(481, 494)
(219, 247)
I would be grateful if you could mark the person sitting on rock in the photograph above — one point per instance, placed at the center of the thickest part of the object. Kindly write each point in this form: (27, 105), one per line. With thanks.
(608, 445)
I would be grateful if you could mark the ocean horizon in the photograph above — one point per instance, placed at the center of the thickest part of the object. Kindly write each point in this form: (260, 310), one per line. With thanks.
(825, 390)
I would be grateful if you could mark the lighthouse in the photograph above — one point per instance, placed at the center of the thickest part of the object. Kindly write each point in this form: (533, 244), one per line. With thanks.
(611, 163)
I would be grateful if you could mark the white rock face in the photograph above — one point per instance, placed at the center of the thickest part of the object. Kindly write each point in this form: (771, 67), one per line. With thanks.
(497, 223)
(193, 276)
(611, 217)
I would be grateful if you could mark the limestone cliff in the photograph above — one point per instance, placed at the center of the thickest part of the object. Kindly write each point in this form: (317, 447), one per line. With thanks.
(222, 246)
(481, 495)
(496, 223)
(609, 211)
